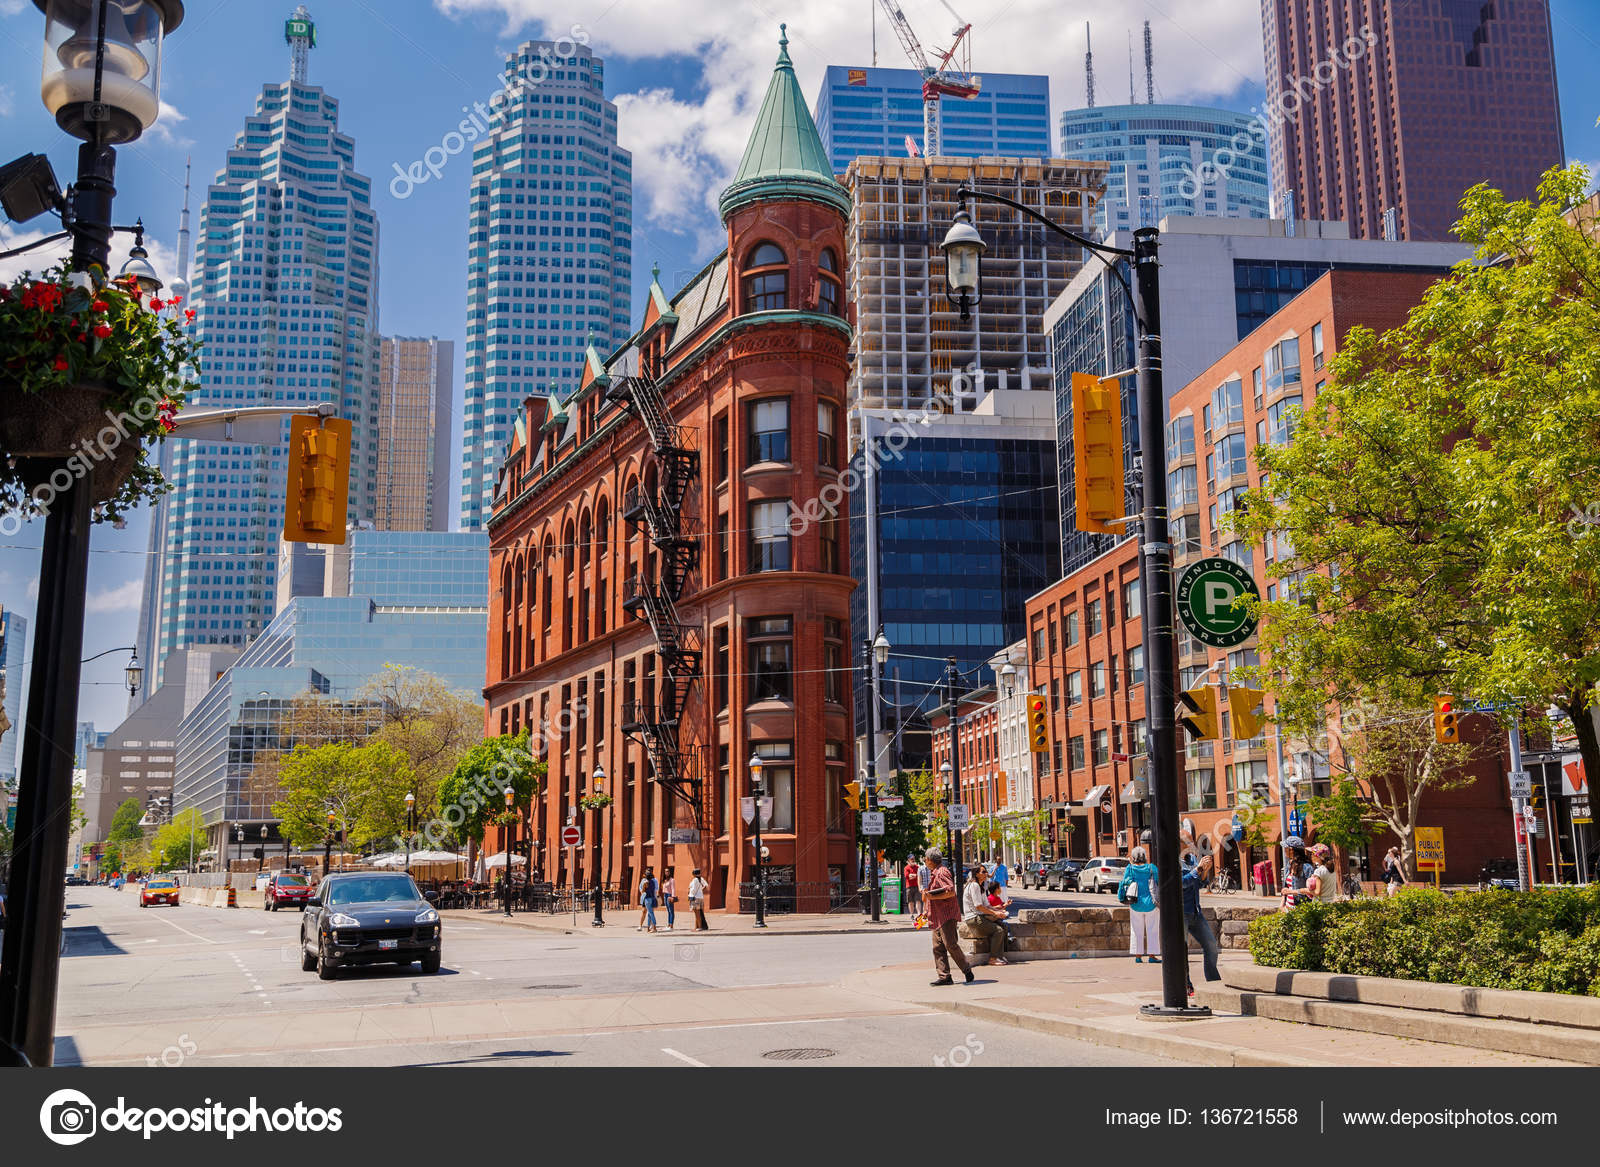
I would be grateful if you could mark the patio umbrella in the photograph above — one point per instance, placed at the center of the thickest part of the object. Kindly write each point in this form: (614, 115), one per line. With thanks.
(498, 860)
(435, 857)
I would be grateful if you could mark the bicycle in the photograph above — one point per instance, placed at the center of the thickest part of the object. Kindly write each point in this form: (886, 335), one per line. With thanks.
(1352, 887)
(1224, 883)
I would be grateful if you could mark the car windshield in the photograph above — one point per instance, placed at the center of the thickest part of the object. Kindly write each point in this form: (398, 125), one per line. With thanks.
(161, 883)
(373, 889)
(291, 881)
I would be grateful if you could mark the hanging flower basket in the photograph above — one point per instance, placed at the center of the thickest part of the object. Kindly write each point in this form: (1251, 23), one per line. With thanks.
(88, 375)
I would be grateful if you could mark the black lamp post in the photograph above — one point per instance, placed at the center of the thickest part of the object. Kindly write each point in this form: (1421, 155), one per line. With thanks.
(508, 836)
(101, 81)
(411, 824)
(261, 865)
(327, 845)
(238, 845)
(599, 853)
(132, 673)
(875, 652)
(761, 890)
(963, 248)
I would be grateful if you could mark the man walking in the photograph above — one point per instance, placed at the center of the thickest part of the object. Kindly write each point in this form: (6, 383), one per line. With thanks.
(944, 909)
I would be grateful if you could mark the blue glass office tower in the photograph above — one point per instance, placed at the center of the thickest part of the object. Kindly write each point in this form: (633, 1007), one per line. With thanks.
(550, 252)
(1165, 161)
(415, 599)
(871, 112)
(286, 299)
(13, 654)
(952, 528)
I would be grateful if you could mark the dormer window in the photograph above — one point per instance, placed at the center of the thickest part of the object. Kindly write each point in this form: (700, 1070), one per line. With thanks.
(766, 279)
(829, 295)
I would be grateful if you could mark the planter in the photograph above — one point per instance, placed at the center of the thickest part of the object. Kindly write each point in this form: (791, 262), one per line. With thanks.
(43, 430)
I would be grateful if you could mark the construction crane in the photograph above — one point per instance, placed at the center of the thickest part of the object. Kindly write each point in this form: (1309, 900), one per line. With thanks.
(948, 78)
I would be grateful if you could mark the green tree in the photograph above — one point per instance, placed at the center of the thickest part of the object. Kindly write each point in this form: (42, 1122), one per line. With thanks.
(473, 793)
(1027, 834)
(905, 830)
(123, 836)
(179, 839)
(336, 778)
(1342, 817)
(1436, 515)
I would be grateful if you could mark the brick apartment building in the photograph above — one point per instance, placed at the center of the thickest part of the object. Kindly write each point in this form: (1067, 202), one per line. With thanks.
(1084, 632)
(653, 613)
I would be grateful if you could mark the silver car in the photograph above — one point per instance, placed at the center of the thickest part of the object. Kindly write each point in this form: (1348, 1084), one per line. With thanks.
(1100, 873)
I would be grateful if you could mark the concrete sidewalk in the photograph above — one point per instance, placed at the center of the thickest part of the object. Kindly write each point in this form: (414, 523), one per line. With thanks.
(624, 922)
(1097, 999)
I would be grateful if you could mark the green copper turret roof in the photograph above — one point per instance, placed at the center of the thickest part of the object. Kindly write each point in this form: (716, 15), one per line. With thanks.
(784, 157)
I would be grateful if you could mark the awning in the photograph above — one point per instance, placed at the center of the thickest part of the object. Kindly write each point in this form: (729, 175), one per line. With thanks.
(1134, 790)
(1095, 797)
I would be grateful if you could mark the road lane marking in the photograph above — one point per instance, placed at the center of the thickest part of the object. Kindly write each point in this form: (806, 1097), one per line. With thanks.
(185, 931)
(672, 1053)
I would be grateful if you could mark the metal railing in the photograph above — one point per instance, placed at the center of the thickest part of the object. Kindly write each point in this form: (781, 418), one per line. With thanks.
(788, 898)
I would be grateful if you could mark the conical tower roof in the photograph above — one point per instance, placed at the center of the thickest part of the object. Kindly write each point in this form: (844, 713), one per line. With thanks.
(784, 158)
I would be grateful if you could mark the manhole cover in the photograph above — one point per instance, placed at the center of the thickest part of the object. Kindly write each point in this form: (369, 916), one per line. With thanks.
(798, 1055)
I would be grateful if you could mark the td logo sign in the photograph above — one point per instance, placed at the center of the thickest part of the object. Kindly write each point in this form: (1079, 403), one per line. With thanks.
(1208, 597)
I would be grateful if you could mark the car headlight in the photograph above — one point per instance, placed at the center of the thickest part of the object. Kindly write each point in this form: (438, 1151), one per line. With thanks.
(427, 916)
(340, 920)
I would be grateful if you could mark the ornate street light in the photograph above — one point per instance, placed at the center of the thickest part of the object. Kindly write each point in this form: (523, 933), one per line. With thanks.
(507, 837)
(755, 793)
(411, 824)
(963, 251)
(599, 854)
(102, 65)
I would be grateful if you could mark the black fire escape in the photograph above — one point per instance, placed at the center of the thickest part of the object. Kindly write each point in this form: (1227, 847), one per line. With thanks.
(659, 512)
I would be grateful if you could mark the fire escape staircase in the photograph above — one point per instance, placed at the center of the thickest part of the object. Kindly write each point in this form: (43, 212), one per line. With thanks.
(653, 598)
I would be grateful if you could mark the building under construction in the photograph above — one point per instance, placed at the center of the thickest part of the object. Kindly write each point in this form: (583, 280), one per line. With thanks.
(912, 348)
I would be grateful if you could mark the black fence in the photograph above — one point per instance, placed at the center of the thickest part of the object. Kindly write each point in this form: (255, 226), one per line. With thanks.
(787, 897)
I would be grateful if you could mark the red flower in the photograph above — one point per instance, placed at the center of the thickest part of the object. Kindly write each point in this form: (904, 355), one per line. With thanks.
(99, 306)
(188, 313)
(82, 337)
(155, 304)
(61, 364)
(102, 330)
(175, 300)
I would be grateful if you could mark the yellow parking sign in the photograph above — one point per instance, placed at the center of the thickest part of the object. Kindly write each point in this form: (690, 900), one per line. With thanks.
(1430, 850)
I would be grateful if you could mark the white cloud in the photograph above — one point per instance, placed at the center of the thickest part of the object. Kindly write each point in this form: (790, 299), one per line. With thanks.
(165, 128)
(686, 145)
(163, 257)
(12, 7)
(33, 589)
(7, 101)
(125, 597)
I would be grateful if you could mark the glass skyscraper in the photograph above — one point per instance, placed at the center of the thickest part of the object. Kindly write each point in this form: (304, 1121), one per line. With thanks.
(13, 654)
(286, 296)
(871, 112)
(1164, 161)
(550, 254)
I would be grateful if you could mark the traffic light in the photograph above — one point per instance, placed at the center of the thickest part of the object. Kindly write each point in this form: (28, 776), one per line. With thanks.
(1444, 720)
(852, 795)
(1097, 452)
(1038, 725)
(318, 491)
(1200, 712)
(1243, 703)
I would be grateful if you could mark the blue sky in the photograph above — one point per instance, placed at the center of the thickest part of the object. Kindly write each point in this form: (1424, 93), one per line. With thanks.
(686, 79)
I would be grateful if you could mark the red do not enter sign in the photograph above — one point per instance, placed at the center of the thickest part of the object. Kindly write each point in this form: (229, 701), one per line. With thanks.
(571, 835)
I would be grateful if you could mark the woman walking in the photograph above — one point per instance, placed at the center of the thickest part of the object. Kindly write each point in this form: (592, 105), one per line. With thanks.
(1136, 889)
(697, 901)
(669, 895)
(1393, 875)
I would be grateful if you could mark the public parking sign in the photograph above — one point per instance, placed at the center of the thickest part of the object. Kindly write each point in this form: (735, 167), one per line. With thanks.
(1208, 592)
(571, 835)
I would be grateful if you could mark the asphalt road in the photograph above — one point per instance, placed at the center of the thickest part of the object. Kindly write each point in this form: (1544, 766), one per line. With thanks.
(196, 986)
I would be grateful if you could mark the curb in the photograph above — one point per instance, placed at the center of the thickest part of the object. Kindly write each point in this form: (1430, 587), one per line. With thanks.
(1159, 1041)
(583, 930)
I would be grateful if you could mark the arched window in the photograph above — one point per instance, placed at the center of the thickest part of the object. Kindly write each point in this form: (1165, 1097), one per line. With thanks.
(766, 279)
(829, 295)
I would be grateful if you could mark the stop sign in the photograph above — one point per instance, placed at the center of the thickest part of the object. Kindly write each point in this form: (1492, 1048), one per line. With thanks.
(571, 835)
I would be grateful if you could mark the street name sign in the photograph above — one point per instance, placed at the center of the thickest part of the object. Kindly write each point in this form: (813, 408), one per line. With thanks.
(872, 822)
(889, 800)
(959, 816)
(1208, 591)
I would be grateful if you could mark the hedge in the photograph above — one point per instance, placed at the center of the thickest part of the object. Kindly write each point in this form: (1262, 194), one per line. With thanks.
(1546, 940)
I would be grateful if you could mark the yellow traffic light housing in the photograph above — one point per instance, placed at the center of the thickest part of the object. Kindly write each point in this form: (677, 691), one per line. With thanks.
(1038, 725)
(1445, 730)
(1243, 704)
(852, 795)
(318, 489)
(1199, 718)
(1097, 452)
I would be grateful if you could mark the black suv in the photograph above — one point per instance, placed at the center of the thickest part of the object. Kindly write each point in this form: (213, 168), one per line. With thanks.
(1499, 873)
(1031, 874)
(1063, 875)
(368, 918)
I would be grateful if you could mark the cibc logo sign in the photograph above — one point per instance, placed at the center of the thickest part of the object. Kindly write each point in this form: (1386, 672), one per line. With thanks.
(67, 1117)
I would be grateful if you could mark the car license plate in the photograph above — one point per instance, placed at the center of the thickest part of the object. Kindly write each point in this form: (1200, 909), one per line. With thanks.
(386, 945)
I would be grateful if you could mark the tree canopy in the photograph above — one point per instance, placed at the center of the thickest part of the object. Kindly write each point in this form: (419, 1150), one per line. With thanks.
(473, 793)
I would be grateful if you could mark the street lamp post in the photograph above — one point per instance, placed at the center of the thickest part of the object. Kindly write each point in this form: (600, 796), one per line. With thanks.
(238, 845)
(104, 90)
(963, 248)
(755, 792)
(327, 845)
(954, 764)
(507, 838)
(1007, 674)
(599, 852)
(876, 652)
(411, 824)
(261, 864)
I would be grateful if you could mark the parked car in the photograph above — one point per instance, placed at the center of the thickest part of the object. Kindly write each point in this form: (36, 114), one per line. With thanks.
(1499, 873)
(77, 881)
(368, 918)
(159, 889)
(290, 890)
(1101, 872)
(1030, 874)
(1064, 875)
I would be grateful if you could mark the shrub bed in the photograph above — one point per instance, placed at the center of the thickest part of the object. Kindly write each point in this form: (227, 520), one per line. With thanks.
(1547, 940)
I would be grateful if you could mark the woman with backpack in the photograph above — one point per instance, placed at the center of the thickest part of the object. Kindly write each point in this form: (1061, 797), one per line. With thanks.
(647, 901)
(1137, 890)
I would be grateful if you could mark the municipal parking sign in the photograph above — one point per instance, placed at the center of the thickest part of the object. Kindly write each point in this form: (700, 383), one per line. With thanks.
(1208, 595)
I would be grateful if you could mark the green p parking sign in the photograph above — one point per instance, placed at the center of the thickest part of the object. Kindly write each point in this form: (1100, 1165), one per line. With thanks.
(1208, 595)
